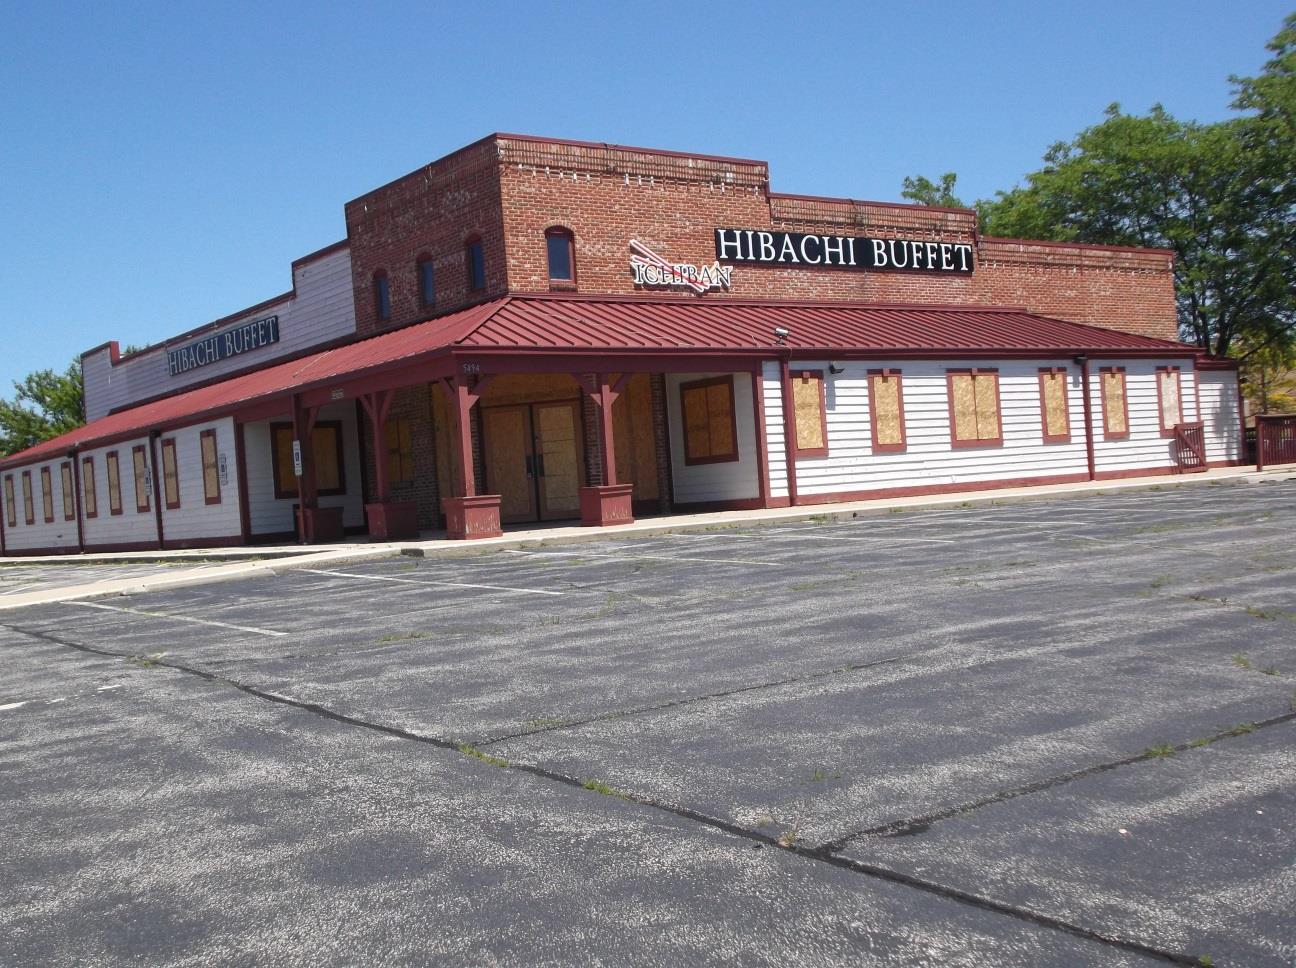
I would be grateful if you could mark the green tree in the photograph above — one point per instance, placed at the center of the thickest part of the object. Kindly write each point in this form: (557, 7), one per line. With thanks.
(45, 404)
(924, 191)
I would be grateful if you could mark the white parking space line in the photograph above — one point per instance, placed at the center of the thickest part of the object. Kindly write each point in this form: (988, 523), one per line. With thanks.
(585, 554)
(176, 618)
(444, 584)
(12, 705)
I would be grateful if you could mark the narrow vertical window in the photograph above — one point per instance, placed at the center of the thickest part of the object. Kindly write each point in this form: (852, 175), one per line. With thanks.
(89, 496)
(114, 482)
(1114, 404)
(974, 408)
(400, 451)
(560, 244)
(47, 495)
(69, 491)
(808, 413)
(210, 467)
(142, 482)
(1055, 415)
(29, 509)
(710, 427)
(1169, 401)
(475, 263)
(886, 408)
(170, 474)
(382, 295)
(11, 505)
(426, 281)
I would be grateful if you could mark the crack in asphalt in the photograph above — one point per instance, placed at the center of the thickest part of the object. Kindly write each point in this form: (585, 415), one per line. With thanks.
(760, 839)
(919, 824)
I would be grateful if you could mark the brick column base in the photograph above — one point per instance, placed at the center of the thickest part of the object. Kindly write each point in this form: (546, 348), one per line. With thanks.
(606, 505)
(472, 517)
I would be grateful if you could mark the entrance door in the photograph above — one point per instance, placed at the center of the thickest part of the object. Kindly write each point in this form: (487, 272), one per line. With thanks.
(533, 460)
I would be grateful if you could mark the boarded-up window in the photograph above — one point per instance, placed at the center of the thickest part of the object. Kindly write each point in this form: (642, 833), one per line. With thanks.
(170, 474)
(974, 407)
(400, 451)
(69, 491)
(1115, 412)
(808, 411)
(210, 467)
(1168, 398)
(114, 483)
(47, 495)
(11, 505)
(1054, 414)
(886, 406)
(29, 509)
(326, 450)
(142, 481)
(89, 496)
(710, 431)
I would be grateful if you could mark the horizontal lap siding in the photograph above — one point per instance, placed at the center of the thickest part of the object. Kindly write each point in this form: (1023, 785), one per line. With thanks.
(195, 518)
(271, 515)
(929, 459)
(131, 526)
(775, 442)
(322, 310)
(1219, 414)
(58, 534)
(725, 481)
(1145, 448)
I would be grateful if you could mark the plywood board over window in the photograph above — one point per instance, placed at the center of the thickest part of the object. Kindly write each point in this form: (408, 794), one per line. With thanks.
(400, 451)
(210, 466)
(326, 449)
(170, 474)
(1114, 403)
(710, 425)
(89, 496)
(1054, 413)
(974, 408)
(886, 409)
(114, 482)
(809, 413)
(1169, 401)
(29, 509)
(69, 491)
(11, 505)
(47, 495)
(142, 481)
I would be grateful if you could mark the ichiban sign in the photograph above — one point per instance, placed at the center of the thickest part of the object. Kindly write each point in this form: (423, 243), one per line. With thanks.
(650, 269)
(845, 251)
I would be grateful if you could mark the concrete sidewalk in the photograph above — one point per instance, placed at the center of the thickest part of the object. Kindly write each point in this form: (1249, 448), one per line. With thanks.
(220, 564)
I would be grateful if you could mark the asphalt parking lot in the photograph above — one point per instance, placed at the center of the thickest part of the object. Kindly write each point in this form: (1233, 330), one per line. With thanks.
(1048, 733)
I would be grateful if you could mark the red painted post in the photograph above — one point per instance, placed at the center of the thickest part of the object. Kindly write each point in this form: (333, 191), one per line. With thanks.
(789, 426)
(1088, 417)
(463, 412)
(606, 441)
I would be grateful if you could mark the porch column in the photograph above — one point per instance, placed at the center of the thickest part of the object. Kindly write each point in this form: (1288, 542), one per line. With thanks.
(314, 524)
(610, 503)
(386, 519)
(469, 515)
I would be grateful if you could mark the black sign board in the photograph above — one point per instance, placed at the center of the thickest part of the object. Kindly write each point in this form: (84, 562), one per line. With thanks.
(757, 247)
(222, 345)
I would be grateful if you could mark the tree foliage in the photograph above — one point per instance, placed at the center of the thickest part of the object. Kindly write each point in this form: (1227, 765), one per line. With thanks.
(924, 191)
(45, 404)
(1221, 196)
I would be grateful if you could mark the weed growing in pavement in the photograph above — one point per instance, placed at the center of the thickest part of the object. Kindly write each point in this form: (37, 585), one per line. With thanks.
(818, 519)
(895, 510)
(1241, 660)
(467, 749)
(789, 837)
(1270, 671)
(598, 786)
(544, 722)
(1160, 581)
(1206, 961)
(145, 661)
(1159, 750)
(818, 776)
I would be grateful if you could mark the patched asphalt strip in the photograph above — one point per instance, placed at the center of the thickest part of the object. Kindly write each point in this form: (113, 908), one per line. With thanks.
(900, 828)
(758, 838)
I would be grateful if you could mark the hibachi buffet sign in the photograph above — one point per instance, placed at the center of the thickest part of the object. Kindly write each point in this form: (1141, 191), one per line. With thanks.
(756, 247)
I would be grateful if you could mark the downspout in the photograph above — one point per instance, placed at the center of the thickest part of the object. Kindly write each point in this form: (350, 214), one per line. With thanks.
(789, 426)
(78, 497)
(1088, 416)
(157, 491)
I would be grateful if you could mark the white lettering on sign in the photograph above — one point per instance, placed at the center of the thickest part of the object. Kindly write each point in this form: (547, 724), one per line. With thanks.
(297, 460)
(650, 269)
(223, 464)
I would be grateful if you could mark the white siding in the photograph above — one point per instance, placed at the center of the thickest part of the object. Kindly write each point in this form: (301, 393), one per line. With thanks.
(131, 526)
(1219, 414)
(196, 519)
(322, 309)
(727, 481)
(271, 515)
(929, 459)
(1144, 448)
(774, 439)
(58, 534)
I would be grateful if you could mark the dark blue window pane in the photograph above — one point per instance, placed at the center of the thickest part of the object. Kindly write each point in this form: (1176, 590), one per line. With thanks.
(383, 296)
(476, 267)
(427, 283)
(560, 261)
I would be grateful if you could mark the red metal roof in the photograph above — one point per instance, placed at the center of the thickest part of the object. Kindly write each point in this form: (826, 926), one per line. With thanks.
(628, 325)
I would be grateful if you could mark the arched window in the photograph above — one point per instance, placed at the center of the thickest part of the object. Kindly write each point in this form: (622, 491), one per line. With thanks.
(561, 246)
(426, 281)
(382, 295)
(475, 263)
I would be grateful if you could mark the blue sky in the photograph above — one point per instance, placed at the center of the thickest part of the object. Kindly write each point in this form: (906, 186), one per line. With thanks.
(161, 165)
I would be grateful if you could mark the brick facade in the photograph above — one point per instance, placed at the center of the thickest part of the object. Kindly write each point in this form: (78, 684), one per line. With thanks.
(510, 189)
